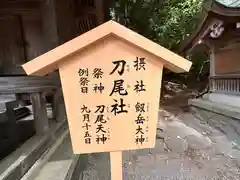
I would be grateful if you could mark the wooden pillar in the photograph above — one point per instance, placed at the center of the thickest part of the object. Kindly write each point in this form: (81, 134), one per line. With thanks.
(57, 104)
(99, 4)
(212, 67)
(116, 165)
(49, 22)
(39, 113)
(12, 121)
(11, 46)
(212, 61)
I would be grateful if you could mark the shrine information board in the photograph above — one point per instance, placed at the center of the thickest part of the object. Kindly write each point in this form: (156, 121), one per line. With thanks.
(112, 99)
(111, 81)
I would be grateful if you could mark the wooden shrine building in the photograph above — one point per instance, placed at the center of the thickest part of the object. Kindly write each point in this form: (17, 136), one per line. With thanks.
(32, 107)
(32, 27)
(219, 34)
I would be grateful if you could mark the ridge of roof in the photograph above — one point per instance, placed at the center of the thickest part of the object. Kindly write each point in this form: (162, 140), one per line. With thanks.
(49, 61)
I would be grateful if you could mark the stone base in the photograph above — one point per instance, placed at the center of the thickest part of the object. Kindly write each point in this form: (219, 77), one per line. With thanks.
(14, 166)
(216, 107)
(225, 99)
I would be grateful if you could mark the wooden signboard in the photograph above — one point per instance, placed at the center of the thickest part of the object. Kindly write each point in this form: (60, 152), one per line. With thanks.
(111, 79)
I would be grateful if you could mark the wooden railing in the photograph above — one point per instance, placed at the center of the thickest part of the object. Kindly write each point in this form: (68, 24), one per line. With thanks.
(35, 89)
(28, 84)
(225, 84)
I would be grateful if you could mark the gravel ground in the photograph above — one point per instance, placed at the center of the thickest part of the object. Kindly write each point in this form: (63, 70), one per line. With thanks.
(187, 148)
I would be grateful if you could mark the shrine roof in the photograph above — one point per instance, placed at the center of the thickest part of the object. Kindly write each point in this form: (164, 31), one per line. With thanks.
(220, 9)
(229, 3)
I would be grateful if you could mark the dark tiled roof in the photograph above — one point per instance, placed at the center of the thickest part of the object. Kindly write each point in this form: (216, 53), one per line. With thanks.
(230, 3)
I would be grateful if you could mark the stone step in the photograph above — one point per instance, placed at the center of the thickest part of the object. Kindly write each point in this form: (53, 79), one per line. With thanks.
(215, 125)
(25, 126)
(221, 98)
(216, 107)
(58, 163)
(18, 163)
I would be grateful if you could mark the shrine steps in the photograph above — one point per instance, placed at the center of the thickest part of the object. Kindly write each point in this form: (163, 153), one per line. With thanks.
(57, 163)
(32, 106)
(224, 118)
(215, 107)
(25, 128)
(19, 163)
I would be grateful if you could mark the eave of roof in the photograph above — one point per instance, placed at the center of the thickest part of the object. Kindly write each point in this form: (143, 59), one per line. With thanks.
(215, 7)
(187, 42)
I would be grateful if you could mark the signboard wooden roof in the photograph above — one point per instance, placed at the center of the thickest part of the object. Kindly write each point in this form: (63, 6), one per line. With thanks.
(111, 80)
(49, 61)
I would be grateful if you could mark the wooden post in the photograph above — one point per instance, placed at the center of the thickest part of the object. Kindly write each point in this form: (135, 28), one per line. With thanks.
(58, 106)
(55, 105)
(212, 67)
(116, 165)
(49, 24)
(12, 121)
(99, 11)
(39, 113)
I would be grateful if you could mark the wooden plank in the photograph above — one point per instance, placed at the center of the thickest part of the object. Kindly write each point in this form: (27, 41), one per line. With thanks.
(24, 84)
(225, 76)
(116, 165)
(40, 113)
(34, 89)
(99, 11)
(13, 132)
(27, 79)
(33, 34)
(27, 9)
(10, 45)
(20, 6)
(49, 25)
(84, 10)
(55, 105)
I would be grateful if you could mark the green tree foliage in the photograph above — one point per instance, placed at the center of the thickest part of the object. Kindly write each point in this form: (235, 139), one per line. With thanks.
(166, 22)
